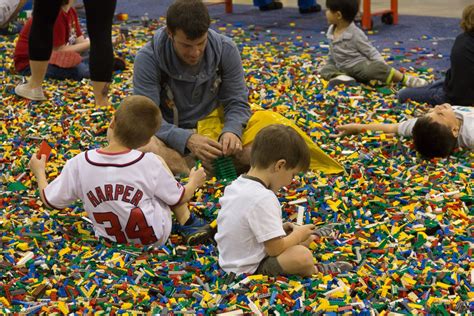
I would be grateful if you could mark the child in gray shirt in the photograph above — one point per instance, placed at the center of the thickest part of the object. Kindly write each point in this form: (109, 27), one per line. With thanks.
(351, 56)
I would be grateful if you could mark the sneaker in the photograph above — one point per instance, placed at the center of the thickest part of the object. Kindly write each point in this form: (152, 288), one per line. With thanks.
(415, 82)
(24, 91)
(195, 233)
(325, 230)
(11, 29)
(334, 267)
(312, 9)
(341, 79)
(271, 6)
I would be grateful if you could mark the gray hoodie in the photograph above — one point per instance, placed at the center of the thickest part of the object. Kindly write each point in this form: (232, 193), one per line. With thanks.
(194, 95)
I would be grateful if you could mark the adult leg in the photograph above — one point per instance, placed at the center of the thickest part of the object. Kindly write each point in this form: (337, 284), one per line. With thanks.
(175, 161)
(432, 94)
(266, 5)
(100, 15)
(308, 6)
(40, 45)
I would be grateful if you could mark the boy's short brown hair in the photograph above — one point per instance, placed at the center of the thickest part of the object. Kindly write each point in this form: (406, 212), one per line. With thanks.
(432, 139)
(467, 21)
(276, 142)
(189, 16)
(137, 119)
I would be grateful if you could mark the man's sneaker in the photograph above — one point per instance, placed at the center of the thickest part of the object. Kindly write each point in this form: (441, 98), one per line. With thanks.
(271, 6)
(312, 9)
(341, 79)
(325, 230)
(195, 233)
(23, 90)
(415, 82)
(334, 267)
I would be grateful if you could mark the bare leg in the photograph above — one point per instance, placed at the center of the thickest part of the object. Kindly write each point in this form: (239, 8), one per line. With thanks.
(297, 260)
(175, 161)
(101, 91)
(181, 212)
(397, 76)
(38, 71)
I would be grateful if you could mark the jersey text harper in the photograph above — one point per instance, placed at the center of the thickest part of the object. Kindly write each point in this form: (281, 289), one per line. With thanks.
(113, 193)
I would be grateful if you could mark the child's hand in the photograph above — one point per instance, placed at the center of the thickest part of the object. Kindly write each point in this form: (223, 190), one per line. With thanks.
(304, 231)
(347, 129)
(37, 165)
(197, 176)
(288, 227)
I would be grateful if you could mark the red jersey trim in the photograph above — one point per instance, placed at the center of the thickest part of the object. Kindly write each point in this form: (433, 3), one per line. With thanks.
(98, 164)
(180, 198)
(100, 151)
(48, 204)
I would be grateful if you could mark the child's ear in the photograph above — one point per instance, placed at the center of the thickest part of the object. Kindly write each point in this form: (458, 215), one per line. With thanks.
(280, 164)
(112, 123)
(455, 131)
(338, 15)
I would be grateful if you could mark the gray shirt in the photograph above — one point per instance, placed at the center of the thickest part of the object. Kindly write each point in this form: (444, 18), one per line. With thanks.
(196, 93)
(466, 133)
(350, 48)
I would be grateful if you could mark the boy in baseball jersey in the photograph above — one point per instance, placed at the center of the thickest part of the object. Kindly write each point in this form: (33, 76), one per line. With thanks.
(127, 194)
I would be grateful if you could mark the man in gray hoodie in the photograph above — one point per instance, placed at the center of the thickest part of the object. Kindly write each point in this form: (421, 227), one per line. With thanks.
(190, 70)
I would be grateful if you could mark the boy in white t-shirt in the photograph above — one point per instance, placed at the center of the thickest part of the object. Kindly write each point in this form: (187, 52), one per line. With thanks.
(251, 237)
(128, 195)
(435, 134)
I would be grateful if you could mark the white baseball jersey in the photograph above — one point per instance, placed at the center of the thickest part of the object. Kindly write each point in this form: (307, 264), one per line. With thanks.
(127, 195)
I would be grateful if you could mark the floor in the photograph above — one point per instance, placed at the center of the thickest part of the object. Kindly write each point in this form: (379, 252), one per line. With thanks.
(443, 8)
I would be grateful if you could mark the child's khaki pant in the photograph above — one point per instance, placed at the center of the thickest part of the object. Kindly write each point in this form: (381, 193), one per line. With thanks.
(362, 72)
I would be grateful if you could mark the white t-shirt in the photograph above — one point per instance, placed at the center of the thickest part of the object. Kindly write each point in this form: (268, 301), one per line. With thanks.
(466, 133)
(126, 195)
(250, 215)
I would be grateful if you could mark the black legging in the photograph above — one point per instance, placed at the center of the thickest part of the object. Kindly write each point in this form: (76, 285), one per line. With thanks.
(100, 14)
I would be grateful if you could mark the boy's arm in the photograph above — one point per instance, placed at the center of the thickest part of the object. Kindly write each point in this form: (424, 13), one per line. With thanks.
(78, 47)
(354, 129)
(366, 48)
(276, 246)
(197, 177)
(38, 166)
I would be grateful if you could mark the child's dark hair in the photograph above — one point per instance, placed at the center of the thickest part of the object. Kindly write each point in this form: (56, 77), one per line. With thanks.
(276, 142)
(348, 8)
(137, 119)
(467, 21)
(189, 16)
(433, 139)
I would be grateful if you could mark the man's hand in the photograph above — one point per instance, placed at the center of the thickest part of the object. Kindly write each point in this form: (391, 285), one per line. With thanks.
(347, 129)
(204, 148)
(231, 144)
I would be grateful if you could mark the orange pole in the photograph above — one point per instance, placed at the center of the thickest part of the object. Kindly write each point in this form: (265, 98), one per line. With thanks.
(394, 7)
(228, 6)
(366, 16)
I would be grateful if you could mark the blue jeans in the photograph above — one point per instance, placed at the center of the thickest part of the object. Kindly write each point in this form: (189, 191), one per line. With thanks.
(303, 4)
(432, 94)
(77, 73)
